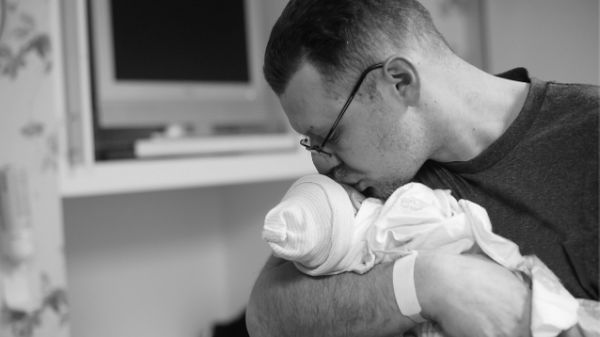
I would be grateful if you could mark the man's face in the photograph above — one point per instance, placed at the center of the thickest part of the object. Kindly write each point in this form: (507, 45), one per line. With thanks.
(378, 144)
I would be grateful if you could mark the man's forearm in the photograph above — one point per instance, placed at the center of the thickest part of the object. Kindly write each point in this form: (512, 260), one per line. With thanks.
(285, 302)
(467, 295)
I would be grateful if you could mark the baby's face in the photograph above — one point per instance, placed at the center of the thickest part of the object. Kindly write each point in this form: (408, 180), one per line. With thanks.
(355, 196)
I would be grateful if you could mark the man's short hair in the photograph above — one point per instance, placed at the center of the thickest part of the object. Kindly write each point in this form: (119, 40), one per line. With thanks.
(344, 36)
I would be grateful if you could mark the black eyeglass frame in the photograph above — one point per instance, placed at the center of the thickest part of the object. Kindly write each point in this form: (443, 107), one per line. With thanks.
(319, 148)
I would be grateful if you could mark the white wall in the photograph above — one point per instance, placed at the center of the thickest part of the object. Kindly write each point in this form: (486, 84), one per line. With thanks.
(554, 39)
(244, 209)
(165, 263)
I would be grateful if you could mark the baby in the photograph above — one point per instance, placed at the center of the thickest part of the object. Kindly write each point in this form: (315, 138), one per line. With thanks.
(326, 228)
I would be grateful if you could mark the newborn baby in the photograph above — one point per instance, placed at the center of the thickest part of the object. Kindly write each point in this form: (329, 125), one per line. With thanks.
(326, 228)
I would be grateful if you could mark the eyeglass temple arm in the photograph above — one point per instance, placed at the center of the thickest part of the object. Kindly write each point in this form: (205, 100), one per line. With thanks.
(349, 100)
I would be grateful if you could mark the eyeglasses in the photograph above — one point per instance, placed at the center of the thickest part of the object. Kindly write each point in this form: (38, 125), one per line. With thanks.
(319, 148)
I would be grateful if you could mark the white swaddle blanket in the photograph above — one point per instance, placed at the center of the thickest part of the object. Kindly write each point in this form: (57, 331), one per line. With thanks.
(317, 227)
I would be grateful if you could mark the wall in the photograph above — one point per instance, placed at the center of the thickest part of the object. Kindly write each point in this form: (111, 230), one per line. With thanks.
(167, 263)
(554, 39)
(245, 207)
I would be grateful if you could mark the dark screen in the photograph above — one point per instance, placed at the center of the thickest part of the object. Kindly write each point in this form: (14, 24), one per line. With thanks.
(180, 40)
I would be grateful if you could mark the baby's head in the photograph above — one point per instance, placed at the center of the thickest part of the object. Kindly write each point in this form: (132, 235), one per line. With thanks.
(300, 227)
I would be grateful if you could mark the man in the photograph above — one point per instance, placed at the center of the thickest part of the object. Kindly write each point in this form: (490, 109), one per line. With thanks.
(524, 149)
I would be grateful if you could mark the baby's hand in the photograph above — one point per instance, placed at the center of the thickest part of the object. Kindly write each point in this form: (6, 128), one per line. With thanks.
(355, 196)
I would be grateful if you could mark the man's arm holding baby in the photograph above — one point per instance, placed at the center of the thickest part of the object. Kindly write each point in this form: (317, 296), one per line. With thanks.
(466, 295)
(286, 302)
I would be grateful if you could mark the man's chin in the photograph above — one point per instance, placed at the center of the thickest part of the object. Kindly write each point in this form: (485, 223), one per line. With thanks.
(381, 192)
(370, 192)
(373, 192)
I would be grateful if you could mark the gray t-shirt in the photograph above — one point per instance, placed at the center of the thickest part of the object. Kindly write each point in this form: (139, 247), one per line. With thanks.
(539, 181)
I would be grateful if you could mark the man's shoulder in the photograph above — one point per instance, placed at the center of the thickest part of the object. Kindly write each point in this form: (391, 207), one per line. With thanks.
(584, 88)
(574, 95)
(557, 97)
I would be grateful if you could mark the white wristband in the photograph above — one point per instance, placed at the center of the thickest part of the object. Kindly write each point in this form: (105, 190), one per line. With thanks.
(404, 287)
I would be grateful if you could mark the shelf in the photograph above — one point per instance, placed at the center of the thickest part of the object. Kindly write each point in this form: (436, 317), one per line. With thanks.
(160, 174)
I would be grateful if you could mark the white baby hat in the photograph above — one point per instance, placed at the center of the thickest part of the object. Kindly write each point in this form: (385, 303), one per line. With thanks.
(300, 228)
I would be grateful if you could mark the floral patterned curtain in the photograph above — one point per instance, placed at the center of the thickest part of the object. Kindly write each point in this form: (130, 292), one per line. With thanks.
(33, 299)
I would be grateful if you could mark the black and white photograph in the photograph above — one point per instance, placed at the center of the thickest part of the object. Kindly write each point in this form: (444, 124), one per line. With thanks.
(299, 168)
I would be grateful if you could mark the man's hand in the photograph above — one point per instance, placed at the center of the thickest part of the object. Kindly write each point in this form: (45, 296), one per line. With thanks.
(468, 295)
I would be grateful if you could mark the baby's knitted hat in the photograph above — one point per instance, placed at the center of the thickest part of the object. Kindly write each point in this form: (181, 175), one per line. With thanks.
(300, 227)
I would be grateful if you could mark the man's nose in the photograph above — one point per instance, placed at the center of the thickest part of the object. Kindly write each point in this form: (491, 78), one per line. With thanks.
(324, 163)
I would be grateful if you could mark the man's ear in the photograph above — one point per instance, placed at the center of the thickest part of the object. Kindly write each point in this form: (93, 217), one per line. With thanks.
(403, 75)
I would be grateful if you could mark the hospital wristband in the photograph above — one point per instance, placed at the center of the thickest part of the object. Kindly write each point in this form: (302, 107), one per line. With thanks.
(403, 279)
